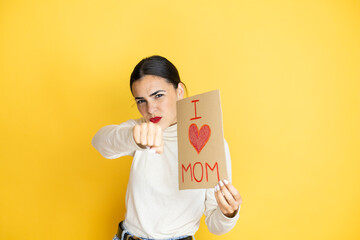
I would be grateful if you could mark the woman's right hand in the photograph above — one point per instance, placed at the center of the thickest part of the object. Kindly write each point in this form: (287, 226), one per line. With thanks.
(149, 135)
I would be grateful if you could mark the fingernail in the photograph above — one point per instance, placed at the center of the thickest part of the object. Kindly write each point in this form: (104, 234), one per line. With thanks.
(215, 188)
(221, 183)
(225, 181)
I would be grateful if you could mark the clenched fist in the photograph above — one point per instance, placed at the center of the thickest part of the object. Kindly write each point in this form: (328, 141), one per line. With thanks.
(149, 135)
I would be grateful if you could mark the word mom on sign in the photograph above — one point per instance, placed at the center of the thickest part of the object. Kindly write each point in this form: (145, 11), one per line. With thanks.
(201, 149)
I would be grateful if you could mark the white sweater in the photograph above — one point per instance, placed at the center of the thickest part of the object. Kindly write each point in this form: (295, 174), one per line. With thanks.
(156, 208)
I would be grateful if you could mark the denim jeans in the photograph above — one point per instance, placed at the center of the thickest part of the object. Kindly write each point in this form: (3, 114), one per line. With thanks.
(116, 238)
(124, 231)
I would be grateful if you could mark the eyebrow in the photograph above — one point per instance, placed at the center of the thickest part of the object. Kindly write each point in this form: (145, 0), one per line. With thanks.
(154, 93)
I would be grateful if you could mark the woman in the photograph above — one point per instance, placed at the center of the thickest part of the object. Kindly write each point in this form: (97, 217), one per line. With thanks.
(156, 208)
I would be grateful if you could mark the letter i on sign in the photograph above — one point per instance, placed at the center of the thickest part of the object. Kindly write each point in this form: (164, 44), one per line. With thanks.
(196, 117)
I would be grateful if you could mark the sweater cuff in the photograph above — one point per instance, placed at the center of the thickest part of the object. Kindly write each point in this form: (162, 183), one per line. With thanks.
(228, 219)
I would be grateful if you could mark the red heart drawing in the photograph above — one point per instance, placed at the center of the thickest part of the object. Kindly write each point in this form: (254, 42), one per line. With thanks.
(199, 138)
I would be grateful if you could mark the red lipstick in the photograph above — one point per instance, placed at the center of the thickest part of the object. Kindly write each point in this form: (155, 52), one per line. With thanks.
(155, 119)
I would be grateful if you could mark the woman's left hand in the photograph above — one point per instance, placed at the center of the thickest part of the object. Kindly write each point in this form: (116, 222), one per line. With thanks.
(228, 198)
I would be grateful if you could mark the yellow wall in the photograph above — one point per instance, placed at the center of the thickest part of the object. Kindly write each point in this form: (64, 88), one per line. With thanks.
(289, 76)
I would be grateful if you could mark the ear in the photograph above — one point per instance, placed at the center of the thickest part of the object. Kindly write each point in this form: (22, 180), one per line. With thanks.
(180, 91)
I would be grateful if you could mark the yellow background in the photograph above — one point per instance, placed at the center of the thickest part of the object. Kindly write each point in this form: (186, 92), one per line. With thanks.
(288, 72)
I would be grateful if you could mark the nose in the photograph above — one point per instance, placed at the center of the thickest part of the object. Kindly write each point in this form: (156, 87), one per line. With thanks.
(151, 107)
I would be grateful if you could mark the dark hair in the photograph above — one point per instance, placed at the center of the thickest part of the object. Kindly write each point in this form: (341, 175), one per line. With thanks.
(157, 66)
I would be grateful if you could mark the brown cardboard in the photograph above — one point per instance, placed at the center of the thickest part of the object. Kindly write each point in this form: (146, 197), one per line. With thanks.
(201, 149)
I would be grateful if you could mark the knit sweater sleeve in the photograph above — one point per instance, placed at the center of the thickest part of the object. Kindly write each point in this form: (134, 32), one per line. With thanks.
(216, 221)
(114, 141)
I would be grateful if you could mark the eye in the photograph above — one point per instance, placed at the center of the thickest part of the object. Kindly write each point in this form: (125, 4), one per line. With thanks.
(140, 101)
(159, 95)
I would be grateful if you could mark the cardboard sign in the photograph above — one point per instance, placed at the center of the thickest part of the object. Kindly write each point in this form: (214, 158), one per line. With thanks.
(201, 149)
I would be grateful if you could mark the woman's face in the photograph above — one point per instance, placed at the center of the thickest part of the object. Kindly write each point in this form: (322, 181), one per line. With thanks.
(156, 99)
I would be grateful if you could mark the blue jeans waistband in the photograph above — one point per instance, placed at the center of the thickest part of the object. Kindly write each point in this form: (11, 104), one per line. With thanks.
(123, 233)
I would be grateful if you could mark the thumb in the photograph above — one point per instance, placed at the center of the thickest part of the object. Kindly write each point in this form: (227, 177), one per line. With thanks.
(159, 149)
